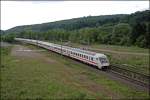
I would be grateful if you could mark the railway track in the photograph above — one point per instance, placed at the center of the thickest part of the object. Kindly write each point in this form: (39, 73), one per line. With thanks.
(135, 77)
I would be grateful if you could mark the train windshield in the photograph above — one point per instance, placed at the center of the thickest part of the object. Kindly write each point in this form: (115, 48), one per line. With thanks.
(103, 60)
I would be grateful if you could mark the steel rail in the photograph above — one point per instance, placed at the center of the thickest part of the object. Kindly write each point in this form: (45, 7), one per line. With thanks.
(135, 77)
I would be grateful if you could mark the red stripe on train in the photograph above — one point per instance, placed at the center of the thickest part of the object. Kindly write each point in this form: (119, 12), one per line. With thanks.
(88, 61)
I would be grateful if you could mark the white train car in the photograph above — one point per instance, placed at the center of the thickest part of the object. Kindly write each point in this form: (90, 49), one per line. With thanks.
(92, 58)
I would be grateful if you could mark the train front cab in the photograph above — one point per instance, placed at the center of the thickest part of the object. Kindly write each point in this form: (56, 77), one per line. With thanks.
(102, 62)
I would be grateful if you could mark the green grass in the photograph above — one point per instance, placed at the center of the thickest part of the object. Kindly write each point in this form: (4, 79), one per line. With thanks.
(136, 63)
(133, 49)
(63, 78)
(33, 79)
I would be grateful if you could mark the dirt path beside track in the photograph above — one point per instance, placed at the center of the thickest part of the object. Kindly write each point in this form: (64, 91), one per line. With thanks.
(22, 51)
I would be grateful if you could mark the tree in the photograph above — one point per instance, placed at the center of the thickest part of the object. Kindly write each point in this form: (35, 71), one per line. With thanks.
(9, 38)
(141, 41)
(137, 30)
(120, 33)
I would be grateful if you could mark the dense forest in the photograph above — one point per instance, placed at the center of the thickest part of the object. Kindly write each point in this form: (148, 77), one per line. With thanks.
(121, 29)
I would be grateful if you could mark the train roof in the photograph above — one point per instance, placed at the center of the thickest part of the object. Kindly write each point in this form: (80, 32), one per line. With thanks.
(67, 47)
(85, 51)
(71, 48)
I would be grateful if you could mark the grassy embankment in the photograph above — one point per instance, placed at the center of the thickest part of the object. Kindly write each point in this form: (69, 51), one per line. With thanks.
(25, 77)
(136, 59)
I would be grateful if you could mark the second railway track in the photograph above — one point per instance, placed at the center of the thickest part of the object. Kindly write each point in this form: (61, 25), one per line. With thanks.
(135, 77)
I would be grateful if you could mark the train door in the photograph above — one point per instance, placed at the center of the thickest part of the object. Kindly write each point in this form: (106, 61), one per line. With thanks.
(98, 63)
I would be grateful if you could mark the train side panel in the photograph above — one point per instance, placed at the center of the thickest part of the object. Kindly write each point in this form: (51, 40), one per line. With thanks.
(95, 59)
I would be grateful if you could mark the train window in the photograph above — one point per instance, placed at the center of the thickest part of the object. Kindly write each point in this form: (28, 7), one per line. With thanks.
(80, 55)
(84, 56)
(92, 58)
(103, 60)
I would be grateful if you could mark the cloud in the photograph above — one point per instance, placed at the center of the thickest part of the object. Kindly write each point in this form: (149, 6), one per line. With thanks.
(14, 13)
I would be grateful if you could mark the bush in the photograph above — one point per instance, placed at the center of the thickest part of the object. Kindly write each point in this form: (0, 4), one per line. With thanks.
(8, 38)
(141, 41)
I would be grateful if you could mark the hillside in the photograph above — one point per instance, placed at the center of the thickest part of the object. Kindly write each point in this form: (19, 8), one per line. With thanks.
(120, 29)
(70, 24)
(1, 32)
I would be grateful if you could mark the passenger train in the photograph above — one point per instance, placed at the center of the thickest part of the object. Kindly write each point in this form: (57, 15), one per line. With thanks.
(96, 59)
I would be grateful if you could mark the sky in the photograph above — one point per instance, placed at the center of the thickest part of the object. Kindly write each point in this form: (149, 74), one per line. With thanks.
(16, 13)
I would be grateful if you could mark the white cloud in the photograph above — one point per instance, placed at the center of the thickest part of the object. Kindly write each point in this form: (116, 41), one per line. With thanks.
(14, 13)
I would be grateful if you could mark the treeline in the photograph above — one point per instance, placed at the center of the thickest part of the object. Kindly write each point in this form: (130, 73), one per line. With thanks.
(70, 24)
(111, 29)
